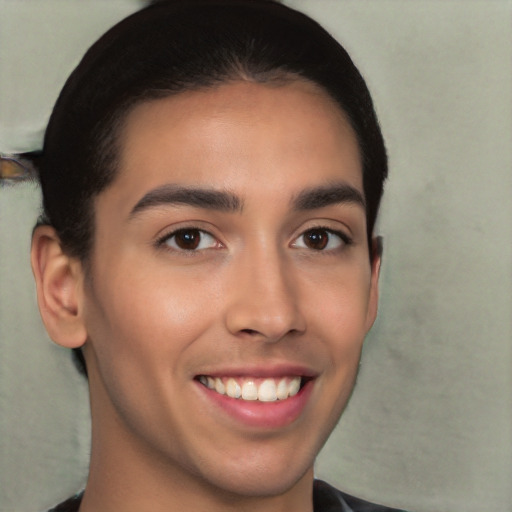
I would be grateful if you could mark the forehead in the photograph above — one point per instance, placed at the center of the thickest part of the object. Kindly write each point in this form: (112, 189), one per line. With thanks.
(237, 134)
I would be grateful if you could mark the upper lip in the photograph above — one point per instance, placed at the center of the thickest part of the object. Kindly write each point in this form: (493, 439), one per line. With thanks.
(270, 370)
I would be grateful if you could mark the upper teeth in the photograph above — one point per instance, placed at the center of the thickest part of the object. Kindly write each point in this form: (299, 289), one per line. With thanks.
(268, 390)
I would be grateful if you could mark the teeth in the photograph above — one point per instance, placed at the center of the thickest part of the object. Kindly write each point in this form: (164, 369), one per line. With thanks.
(268, 390)
(249, 391)
(233, 389)
(282, 389)
(219, 386)
(294, 387)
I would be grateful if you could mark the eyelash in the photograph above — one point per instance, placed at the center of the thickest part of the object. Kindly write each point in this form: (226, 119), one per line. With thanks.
(345, 240)
(163, 241)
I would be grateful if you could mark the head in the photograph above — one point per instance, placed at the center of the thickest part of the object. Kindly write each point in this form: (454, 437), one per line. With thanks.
(158, 72)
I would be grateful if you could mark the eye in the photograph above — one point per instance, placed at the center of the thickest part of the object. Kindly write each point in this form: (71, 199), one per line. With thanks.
(189, 239)
(321, 239)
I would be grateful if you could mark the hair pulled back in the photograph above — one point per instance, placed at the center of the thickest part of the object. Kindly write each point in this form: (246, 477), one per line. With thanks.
(173, 46)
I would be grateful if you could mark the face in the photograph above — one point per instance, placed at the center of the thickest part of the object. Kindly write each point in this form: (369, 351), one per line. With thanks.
(231, 287)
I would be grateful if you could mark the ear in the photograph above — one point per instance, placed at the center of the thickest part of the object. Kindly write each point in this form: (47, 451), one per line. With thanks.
(59, 283)
(373, 301)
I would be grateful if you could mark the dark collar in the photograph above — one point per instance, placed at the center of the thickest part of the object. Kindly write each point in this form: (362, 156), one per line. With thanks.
(325, 499)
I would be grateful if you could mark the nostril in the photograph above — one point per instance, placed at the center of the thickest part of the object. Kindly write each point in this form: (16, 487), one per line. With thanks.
(249, 331)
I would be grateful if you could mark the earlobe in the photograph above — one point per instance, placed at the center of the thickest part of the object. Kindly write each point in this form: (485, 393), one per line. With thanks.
(59, 283)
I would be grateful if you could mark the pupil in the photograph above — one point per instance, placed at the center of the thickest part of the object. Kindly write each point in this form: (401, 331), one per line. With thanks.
(317, 239)
(188, 239)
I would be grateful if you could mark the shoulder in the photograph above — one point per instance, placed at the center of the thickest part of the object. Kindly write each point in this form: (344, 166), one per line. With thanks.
(70, 505)
(328, 499)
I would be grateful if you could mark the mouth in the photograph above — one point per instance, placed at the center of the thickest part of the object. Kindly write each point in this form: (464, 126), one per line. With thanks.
(255, 389)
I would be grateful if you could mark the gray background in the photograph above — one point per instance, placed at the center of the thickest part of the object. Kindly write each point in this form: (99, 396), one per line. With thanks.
(429, 427)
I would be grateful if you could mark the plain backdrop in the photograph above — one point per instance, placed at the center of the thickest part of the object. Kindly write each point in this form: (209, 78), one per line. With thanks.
(429, 427)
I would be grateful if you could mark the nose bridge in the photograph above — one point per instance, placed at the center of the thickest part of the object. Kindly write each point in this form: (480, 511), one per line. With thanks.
(264, 295)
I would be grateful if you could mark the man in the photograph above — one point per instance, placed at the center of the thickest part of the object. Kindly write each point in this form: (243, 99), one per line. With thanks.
(211, 176)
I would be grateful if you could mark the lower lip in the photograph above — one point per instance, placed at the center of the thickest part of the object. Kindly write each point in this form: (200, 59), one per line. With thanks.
(269, 415)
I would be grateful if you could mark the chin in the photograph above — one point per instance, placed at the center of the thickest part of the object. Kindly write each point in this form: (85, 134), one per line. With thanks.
(258, 486)
(260, 480)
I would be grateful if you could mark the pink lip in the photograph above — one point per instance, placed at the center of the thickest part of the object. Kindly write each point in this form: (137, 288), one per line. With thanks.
(262, 371)
(256, 414)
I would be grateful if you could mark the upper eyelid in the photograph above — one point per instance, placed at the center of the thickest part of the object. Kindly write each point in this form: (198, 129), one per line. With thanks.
(328, 220)
(168, 231)
(161, 241)
(346, 238)
(173, 232)
(331, 225)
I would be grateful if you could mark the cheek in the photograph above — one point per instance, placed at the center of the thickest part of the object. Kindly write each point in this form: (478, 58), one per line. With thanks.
(148, 318)
(142, 332)
(341, 301)
(340, 313)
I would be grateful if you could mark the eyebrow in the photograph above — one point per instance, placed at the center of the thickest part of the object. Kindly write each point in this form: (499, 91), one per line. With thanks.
(320, 197)
(220, 200)
(202, 198)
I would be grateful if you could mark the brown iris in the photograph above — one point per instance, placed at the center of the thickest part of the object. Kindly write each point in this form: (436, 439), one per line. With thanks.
(187, 239)
(316, 239)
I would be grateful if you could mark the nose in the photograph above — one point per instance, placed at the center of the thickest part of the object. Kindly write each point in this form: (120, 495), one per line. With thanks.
(264, 300)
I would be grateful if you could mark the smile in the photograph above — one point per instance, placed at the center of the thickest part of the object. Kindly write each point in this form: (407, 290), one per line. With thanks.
(252, 389)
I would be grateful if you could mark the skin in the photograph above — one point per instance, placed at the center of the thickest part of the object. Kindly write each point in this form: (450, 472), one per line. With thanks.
(255, 294)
